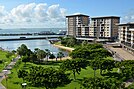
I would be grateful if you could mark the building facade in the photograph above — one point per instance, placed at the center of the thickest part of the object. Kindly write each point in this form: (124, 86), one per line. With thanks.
(126, 36)
(77, 25)
(104, 27)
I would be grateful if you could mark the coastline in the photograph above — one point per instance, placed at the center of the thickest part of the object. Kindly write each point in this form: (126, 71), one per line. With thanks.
(63, 47)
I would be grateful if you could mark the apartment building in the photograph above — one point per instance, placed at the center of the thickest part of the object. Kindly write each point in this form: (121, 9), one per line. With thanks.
(126, 36)
(104, 27)
(77, 25)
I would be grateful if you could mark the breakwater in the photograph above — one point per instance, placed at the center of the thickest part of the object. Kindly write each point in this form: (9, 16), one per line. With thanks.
(24, 38)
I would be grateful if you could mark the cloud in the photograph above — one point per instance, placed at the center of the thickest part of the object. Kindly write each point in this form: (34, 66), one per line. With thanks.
(2, 11)
(56, 13)
(128, 16)
(40, 12)
(33, 13)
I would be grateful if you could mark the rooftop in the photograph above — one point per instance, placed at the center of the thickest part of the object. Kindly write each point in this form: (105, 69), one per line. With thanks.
(77, 15)
(124, 24)
(100, 17)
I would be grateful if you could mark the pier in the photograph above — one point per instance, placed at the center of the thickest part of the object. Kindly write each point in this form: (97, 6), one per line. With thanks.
(30, 38)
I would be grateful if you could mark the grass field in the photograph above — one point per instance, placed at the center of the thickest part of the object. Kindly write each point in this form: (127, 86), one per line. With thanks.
(13, 82)
(6, 60)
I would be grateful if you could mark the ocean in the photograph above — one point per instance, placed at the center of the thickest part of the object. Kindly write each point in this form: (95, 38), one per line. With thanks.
(31, 44)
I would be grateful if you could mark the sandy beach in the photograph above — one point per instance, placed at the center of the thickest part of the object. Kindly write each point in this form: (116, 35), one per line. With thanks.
(63, 47)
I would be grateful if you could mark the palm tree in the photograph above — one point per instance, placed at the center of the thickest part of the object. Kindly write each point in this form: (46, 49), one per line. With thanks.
(60, 55)
(41, 54)
(47, 53)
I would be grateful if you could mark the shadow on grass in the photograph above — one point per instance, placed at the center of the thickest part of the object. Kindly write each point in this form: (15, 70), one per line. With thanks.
(27, 66)
(16, 83)
(54, 63)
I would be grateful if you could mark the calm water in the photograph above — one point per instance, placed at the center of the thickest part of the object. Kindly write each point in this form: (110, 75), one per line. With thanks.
(30, 30)
(31, 44)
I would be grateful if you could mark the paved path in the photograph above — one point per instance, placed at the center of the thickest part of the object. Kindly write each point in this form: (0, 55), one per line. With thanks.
(124, 54)
(7, 71)
(1, 78)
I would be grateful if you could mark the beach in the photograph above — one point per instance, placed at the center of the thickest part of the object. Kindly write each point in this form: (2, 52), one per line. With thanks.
(63, 47)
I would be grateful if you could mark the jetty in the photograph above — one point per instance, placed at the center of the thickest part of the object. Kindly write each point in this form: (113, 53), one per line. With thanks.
(31, 38)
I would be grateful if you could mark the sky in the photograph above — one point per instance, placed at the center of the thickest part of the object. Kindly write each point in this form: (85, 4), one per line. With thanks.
(51, 13)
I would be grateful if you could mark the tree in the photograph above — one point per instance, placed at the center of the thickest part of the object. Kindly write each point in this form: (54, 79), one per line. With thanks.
(23, 50)
(25, 59)
(69, 41)
(33, 57)
(74, 65)
(100, 52)
(22, 74)
(60, 38)
(13, 51)
(47, 53)
(91, 83)
(60, 55)
(49, 78)
(90, 52)
(101, 83)
(9, 54)
(80, 52)
(84, 43)
(52, 56)
(40, 55)
(102, 64)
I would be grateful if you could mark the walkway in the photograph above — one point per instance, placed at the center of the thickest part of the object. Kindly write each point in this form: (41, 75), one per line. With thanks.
(7, 71)
(1, 78)
(122, 53)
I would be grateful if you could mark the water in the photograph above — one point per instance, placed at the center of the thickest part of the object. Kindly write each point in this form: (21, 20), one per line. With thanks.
(29, 30)
(31, 44)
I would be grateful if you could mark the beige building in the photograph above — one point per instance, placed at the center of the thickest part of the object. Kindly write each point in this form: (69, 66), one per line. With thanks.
(126, 36)
(104, 27)
(77, 25)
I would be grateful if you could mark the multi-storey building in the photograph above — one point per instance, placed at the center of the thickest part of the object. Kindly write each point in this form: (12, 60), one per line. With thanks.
(126, 36)
(104, 27)
(77, 25)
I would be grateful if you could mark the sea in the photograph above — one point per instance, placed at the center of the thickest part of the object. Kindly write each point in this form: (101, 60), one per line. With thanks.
(31, 44)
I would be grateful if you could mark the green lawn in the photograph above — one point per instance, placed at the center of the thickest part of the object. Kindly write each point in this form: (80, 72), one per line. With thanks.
(6, 60)
(13, 82)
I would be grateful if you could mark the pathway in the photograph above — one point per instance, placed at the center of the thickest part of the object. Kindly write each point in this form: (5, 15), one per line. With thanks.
(124, 54)
(7, 71)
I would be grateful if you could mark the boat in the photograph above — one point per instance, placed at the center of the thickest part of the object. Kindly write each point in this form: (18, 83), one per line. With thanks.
(22, 37)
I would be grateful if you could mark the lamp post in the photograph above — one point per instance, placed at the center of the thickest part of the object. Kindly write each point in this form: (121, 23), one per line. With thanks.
(24, 85)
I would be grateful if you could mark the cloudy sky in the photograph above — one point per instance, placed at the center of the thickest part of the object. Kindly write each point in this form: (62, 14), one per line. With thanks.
(51, 13)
